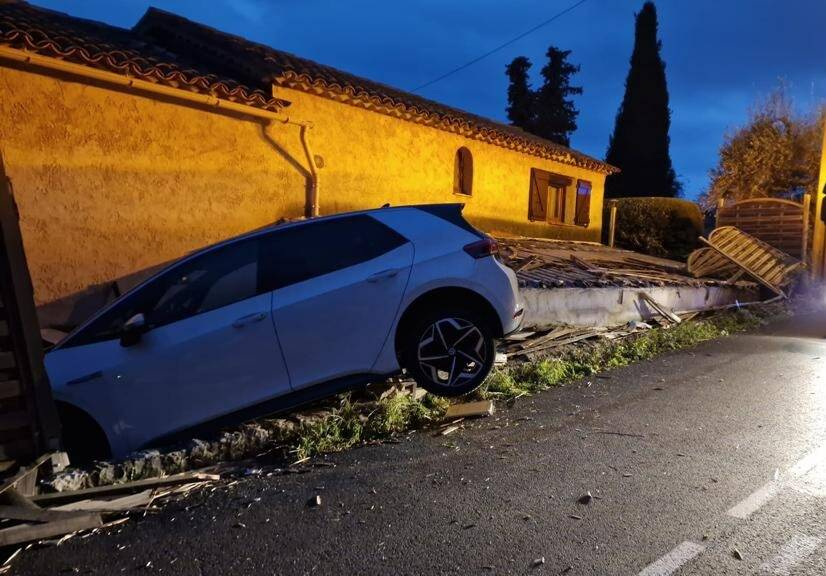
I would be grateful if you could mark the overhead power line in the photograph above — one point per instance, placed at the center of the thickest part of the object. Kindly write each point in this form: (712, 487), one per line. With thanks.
(498, 48)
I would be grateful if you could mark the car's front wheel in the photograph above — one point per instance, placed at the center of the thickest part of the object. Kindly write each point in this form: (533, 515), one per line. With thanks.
(449, 352)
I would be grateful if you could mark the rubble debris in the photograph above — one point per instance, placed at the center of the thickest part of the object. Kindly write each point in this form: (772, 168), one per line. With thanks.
(449, 430)
(538, 562)
(736, 554)
(660, 309)
(585, 499)
(25, 480)
(769, 266)
(85, 509)
(469, 409)
(545, 263)
(57, 524)
(102, 491)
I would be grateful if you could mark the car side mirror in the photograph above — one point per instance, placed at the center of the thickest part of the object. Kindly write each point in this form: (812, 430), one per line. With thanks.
(132, 330)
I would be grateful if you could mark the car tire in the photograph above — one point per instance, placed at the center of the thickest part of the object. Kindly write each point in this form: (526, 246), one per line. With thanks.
(449, 351)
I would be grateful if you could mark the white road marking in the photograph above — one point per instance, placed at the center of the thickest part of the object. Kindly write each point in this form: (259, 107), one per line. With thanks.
(751, 503)
(792, 553)
(674, 560)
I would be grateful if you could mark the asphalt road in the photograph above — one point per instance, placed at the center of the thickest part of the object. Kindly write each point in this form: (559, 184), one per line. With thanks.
(708, 461)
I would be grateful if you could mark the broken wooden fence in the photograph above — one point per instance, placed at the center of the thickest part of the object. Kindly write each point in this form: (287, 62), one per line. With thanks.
(780, 223)
(28, 419)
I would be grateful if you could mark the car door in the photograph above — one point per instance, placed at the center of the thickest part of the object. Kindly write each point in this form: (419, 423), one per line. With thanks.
(339, 284)
(209, 347)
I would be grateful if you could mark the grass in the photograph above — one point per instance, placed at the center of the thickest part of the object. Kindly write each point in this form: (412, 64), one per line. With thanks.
(582, 361)
(349, 425)
(353, 423)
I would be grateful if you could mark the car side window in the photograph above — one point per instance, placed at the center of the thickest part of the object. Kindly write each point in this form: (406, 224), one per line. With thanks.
(313, 249)
(218, 278)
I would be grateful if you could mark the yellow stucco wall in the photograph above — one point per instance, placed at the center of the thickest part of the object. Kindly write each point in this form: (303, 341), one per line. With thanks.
(371, 158)
(109, 182)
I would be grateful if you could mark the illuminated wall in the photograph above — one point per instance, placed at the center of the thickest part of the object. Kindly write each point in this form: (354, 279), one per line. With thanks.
(371, 158)
(109, 182)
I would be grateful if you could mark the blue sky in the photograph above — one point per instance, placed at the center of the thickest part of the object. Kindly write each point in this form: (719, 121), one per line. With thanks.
(720, 55)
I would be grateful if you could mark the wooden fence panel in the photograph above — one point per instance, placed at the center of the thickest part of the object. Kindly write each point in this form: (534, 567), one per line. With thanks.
(28, 419)
(780, 223)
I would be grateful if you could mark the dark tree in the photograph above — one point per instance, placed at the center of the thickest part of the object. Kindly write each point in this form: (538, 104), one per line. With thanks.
(640, 142)
(520, 96)
(555, 110)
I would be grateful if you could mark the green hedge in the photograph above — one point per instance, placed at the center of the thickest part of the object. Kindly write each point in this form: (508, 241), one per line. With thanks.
(667, 227)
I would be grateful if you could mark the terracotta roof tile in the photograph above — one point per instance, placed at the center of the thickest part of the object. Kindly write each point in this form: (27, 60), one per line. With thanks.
(121, 51)
(248, 59)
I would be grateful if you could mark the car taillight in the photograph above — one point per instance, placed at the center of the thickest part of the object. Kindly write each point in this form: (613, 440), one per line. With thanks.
(482, 248)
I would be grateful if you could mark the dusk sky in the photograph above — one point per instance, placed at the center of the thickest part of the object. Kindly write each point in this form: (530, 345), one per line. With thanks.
(720, 55)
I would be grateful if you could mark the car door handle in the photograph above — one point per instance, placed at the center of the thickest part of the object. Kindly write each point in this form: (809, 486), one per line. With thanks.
(383, 275)
(248, 319)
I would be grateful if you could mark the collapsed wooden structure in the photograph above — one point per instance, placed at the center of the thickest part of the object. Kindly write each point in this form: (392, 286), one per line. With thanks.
(28, 419)
(732, 252)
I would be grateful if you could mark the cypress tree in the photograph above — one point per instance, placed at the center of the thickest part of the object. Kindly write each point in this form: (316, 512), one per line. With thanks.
(520, 96)
(555, 111)
(639, 145)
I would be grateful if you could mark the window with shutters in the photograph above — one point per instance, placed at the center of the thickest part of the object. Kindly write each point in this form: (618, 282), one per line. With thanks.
(549, 197)
(463, 172)
(583, 203)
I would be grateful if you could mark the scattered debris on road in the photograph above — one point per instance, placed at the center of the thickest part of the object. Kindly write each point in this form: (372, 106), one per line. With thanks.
(585, 499)
(470, 409)
(30, 517)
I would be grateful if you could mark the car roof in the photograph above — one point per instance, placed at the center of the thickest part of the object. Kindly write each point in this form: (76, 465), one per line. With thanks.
(304, 221)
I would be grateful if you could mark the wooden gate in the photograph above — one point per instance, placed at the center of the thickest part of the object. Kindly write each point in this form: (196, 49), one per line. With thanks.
(783, 224)
(28, 419)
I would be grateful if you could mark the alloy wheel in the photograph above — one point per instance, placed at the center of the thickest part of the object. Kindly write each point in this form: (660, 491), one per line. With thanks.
(451, 351)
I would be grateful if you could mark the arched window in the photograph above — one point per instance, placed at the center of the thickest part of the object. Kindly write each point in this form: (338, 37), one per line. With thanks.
(463, 172)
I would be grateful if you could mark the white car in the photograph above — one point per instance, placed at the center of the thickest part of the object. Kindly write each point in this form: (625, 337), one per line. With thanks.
(282, 316)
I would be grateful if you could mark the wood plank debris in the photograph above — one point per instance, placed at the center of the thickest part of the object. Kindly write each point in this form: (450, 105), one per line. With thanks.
(102, 491)
(130, 502)
(30, 532)
(25, 478)
(545, 263)
(660, 309)
(469, 409)
(35, 514)
(84, 509)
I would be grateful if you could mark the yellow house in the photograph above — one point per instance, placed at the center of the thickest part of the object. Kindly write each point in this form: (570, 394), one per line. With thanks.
(130, 147)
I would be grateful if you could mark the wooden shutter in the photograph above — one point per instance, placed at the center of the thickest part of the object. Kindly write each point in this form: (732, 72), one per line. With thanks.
(538, 202)
(583, 203)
